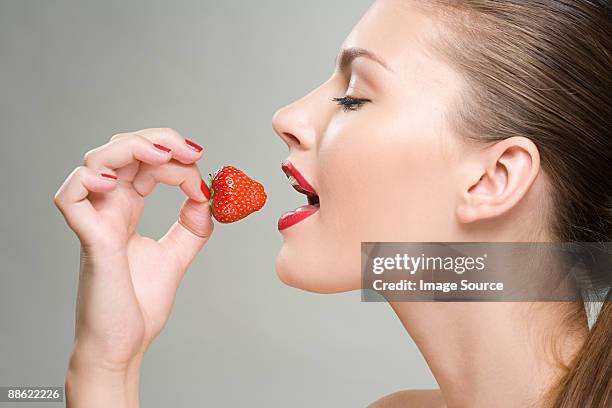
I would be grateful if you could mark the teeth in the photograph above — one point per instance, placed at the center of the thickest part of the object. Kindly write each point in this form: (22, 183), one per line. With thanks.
(293, 181)
(312, 198)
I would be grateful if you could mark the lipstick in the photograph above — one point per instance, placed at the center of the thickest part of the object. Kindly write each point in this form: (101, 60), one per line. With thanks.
(301, 185)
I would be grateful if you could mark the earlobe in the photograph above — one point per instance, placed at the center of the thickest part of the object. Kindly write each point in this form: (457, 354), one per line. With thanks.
(502, 177)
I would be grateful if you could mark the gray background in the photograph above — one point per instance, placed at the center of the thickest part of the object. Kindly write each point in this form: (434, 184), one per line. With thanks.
(73, 73)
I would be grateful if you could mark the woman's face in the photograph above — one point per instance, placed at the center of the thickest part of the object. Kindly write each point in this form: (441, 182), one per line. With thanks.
(383, 169)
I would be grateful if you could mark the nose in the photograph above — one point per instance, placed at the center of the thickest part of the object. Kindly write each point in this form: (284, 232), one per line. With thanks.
(293, 126)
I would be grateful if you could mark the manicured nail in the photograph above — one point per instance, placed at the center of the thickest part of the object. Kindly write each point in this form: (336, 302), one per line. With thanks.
(162, 148)
(193, 145)
(205, 190)
(108, 176)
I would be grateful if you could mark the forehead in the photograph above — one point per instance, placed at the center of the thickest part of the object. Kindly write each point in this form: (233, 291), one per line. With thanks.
(398, 31)
(404, 34)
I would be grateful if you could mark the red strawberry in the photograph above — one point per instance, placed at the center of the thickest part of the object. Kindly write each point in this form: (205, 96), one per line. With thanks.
(235, 195)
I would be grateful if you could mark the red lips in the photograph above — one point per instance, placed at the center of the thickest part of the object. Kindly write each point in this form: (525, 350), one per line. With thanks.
(300, 184)
(291, 218)
(291, 171)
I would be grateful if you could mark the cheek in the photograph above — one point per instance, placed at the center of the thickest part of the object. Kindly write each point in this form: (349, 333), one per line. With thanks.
(385, 180)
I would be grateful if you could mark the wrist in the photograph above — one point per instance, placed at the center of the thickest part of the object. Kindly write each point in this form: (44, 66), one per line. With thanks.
(92, 383)
(87, 354)
(101, 254)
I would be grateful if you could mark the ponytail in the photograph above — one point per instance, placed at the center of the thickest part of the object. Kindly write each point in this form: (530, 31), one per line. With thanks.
(588, 383)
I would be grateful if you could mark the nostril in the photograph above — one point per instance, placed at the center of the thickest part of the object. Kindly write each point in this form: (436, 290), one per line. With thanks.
(290, 139)
(293, 126)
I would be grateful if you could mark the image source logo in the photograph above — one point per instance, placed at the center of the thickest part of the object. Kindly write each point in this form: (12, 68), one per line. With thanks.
(495, 271)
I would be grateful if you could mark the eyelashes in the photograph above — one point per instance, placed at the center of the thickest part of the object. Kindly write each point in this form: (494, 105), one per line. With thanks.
(349, 103)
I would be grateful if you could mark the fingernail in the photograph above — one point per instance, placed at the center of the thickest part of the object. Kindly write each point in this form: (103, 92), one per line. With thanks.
(205, 190)
(193, 145)
(108, 176)
(162, 148)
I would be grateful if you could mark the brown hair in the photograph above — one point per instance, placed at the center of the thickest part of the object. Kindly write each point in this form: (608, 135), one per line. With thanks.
(542, 69)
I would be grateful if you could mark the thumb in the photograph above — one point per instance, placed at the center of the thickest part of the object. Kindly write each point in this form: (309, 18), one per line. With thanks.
(190, 233)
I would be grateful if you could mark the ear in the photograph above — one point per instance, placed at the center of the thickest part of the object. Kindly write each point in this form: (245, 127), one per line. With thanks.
(500, 178)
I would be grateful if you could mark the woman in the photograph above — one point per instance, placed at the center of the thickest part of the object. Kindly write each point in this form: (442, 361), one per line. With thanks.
(444, 121)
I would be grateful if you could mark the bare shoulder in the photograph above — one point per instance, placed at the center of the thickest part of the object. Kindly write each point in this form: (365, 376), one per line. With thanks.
(411, 399)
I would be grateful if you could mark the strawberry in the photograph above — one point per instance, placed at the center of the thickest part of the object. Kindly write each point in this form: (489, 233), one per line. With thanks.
(234, 195)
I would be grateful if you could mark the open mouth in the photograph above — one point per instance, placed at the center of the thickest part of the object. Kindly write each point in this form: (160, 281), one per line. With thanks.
(301, 185)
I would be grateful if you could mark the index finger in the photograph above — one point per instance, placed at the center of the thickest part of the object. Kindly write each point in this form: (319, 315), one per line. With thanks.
(121, 152)
(183, 150)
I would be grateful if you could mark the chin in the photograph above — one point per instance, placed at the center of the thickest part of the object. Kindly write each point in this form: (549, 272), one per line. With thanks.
(313, 275)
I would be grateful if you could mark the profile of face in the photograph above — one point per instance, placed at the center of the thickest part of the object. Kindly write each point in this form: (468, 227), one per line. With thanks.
(383, 159)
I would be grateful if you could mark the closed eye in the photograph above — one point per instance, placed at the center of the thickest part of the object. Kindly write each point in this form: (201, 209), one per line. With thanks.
(350, 103)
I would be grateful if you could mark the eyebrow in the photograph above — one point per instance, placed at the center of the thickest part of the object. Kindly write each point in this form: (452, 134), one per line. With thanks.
(347, 56)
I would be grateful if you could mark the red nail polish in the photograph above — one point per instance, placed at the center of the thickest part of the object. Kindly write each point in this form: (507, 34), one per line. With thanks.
(162, 148)
(108, 176)
(193, 145)
(205, 190)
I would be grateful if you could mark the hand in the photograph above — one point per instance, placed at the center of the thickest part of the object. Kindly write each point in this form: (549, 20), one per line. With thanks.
(128, 282)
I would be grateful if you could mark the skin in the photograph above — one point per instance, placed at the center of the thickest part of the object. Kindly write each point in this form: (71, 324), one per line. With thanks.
(127, 282)
(392, 170)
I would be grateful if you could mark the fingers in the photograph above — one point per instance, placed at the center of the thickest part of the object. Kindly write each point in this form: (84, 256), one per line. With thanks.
(186, 176)
(189, 234)
(123, 151)
(71, 198)
(183, 150)
(143, 158)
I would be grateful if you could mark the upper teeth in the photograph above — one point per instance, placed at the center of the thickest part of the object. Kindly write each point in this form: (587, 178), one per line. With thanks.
(293, 181)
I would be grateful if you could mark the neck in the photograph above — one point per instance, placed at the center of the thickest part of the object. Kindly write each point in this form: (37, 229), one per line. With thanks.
(493, 354)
